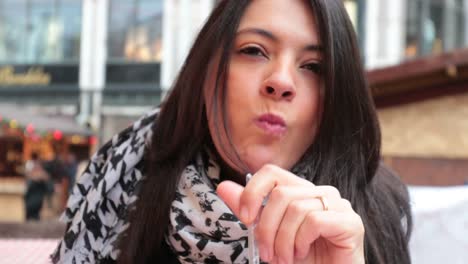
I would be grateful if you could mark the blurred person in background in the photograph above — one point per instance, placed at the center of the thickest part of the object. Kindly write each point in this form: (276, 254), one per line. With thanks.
(36, 187)
(71, 167)
(274, 88)
(58, 184)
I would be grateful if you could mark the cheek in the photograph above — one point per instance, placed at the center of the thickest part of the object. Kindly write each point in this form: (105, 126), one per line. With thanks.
(244, 77)
(309, 113)
(312, 110)
(240, 96)
(233, 105)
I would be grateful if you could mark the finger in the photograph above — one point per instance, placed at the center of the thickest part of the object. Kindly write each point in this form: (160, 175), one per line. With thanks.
(274, 261)
(261, 184)
(280, 200)
(296, 212)
(230, 192)
(342, 229)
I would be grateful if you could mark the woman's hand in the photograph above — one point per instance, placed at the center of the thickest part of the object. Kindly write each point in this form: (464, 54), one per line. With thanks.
(295, 226)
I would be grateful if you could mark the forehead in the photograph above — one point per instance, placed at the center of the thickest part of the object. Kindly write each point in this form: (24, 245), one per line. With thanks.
(290, 19)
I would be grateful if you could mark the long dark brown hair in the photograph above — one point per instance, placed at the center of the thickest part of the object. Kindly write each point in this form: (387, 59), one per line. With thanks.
(345, 153)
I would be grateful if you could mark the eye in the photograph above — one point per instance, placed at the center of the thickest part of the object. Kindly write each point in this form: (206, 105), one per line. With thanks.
(252, 51)
(313, 67)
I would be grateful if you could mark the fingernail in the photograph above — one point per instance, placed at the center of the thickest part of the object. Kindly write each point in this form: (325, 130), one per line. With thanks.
(244, 213)
(264, 253)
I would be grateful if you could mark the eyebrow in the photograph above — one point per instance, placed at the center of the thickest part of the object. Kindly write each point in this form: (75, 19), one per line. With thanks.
(269, 35)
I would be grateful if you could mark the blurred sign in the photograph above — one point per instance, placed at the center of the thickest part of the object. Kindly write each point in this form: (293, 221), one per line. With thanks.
(38, 75)
(33, 76)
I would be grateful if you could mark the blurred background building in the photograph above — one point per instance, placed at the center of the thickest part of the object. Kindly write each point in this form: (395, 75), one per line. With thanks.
(99, 61)
(73, 73)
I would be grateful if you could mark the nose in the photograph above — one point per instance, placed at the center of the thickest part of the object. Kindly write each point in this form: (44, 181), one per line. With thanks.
(279, 85)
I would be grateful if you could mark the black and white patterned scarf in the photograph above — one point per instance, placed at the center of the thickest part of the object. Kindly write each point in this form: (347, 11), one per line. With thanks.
(203, 229)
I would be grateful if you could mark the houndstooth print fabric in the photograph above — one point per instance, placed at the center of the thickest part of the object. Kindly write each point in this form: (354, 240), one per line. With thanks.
(97, 209)
(203, 229)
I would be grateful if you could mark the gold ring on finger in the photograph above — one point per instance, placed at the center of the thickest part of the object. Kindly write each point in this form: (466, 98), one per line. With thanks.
(324, 202)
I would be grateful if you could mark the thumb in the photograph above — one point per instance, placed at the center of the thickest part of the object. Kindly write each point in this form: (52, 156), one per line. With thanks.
(230, 192)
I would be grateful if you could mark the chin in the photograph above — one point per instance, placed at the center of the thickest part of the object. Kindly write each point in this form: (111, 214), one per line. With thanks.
(254, 164)
(255, 157)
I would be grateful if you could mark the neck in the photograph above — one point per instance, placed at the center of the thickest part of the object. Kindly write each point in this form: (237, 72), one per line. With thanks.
(227, 173)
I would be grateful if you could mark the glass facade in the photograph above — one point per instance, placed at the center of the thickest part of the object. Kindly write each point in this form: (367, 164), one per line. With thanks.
(135, 31)
(134, 52)
(435, 26)
(39, 31)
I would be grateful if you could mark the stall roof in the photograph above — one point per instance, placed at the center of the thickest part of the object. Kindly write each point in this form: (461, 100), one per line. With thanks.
(42, 122)
(419, 79)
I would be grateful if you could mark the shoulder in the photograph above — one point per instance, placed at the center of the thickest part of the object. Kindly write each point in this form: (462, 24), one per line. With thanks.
(388, 181)
(389, 220)
(97, 209)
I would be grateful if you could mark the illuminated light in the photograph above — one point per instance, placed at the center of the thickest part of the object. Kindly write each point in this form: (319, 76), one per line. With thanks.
(77, 139)
(57, 134)
(13, 123)
(30, 128)
(92, 140)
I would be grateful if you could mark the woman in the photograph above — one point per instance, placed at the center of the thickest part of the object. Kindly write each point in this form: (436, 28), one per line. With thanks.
(271, 87)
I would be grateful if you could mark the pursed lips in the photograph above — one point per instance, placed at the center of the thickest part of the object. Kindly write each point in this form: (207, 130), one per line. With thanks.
(271, 124)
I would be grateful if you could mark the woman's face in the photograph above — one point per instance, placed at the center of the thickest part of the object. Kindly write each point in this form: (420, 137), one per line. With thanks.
(273, 93)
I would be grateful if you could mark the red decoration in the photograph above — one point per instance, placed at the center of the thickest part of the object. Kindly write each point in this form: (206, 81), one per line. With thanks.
(57, 134)
(35, 138)
(92, 140)
(30, 128)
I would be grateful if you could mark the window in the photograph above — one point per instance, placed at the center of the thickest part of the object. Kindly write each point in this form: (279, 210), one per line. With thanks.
(135, 30)
(12, 31)
(435, 26)
(39, 31)
(70, 13)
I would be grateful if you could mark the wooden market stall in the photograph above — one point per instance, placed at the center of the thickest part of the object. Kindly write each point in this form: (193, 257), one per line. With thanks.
(423, 111)
(23, 132)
